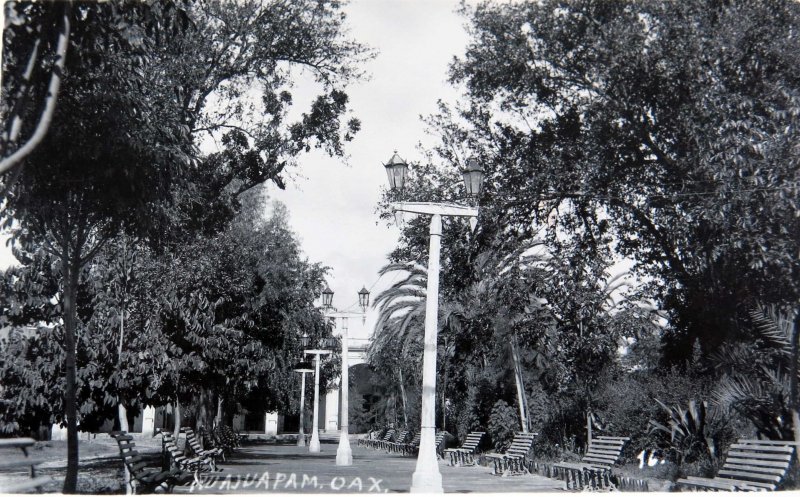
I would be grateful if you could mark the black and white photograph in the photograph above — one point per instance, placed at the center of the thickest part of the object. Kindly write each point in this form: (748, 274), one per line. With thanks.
(417, 246)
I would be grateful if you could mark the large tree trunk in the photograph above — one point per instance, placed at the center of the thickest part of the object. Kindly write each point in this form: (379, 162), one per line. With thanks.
(522, 400)
(177, 429)
(218, 418)
(403, 397)
(121, 411)
(793, 400)
(71, 266)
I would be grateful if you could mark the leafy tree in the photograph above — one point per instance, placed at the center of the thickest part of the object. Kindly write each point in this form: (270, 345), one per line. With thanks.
(661, 124)
(125, 128)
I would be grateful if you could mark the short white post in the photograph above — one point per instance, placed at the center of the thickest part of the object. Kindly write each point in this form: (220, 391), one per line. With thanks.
(344, 455)
(314, 445)
(301, 437)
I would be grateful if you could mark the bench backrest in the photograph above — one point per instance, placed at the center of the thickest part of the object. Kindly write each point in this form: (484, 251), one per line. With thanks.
(389, 436)
(417, 439)
(604, 451)
(192, 440)
(473, 440)
(127, 451)
(439, 438)
(171, 445)
(521, 444)
(763, 462)
(402, 437)
(11, 463)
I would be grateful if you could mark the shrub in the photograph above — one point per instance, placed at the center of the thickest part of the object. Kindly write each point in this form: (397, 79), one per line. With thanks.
(503, 422)
(694, 435)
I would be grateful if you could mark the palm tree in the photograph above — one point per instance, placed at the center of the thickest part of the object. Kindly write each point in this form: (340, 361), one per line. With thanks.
(760, 377)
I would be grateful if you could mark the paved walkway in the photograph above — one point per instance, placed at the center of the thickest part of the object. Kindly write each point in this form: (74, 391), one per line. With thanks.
(289, 469)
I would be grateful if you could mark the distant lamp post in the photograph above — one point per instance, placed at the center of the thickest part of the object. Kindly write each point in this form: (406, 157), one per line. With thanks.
(303, 368)
(363, 299)
(396, 170)
(313, 446)
(427, 478)
(327, 297)
(344, 454)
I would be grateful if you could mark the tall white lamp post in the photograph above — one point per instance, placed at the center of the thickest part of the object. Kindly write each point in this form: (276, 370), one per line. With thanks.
(313, 446)
(427, 478)
(303, 368)
(344, 454)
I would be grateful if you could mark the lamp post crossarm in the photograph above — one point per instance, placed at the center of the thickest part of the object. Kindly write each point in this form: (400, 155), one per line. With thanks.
(317, 352)
(442, 209)
(343, 314)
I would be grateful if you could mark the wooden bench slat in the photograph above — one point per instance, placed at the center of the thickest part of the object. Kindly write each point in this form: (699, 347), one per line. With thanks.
(597, 450)
(21, 463)
(760, 457)
(30, 483)
(748, 467)
(707, 483)
(757, 462)
(740, 483)
(750, 475)
(16, 442)
(767, 442)
(600, 460)
(765, 448)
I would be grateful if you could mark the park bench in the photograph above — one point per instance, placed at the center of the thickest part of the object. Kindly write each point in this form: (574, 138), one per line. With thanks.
(141, 478)
(594, 469)
(226, 438)
(198, 450)
(749, 465)
(194, 465)
(412, 448)
(372, 437)
(512, 461)
(388, 437)
(398, 442)
(22, 463)
(465, 454)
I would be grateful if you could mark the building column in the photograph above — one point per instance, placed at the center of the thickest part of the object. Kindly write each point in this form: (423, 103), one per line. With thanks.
(271, 423)
(58, 433)
(332, 410)
(148, 421)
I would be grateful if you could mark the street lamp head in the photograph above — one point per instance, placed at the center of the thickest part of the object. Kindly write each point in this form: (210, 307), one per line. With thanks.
(327, 296)
(396, 170)
(363, 298)
(304, 339)
(304, 367)
(473, 177)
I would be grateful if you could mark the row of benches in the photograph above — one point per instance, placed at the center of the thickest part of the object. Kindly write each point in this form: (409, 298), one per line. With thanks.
(750, 464)
(401, 442)
(184, 469)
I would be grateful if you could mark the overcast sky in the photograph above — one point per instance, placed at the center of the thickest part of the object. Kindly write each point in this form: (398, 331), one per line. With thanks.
(332, 205)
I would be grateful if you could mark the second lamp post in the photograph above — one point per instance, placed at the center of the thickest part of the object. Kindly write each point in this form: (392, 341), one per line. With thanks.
(427, 478)
(344, 454)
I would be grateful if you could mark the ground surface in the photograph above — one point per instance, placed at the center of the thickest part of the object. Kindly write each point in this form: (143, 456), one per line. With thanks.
(271, 468)
(288, 468)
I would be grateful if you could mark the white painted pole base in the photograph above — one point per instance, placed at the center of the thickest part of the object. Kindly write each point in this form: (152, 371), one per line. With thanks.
(427, 478)
(301, 440)
(428, 482)
(344, 454)
(313, 445)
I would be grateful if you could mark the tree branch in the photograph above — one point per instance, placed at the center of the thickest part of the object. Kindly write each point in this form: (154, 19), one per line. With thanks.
(50, 100)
